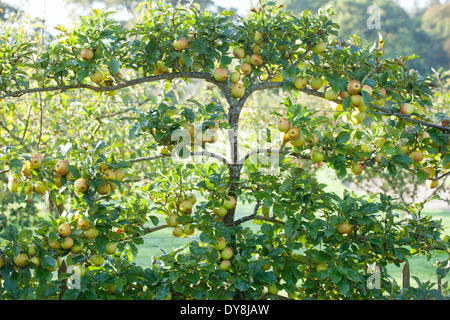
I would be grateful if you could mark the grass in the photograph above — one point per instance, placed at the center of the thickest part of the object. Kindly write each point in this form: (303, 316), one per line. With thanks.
(162, 241)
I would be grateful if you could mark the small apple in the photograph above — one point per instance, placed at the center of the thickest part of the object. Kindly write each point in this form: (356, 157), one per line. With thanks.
(235, 76)
(246, 68)
(67, 243)
(273, 289)
(111, 248)
(406, 108)
(87, 54)
(404, 149)
(299, 141)
(238, 90)
(120, 175)
(109, 174)
(283, 125)
(21, 260)
(277, 77)
(188, 230)
(431, 172)
(172, 220)
(322, 267)
(319, 48)
(28, 188)
(160, 68)
(343, 94)
(432, 183)
(91, 233)
(379, 157)
(230, 203)
(64, 229)
(97, 77)
(226, 253)
(354, 87)
(357, 168)
(62, 167)
(26, 170)
(256, 59)
(32, 249)
(258, 37)
(13, 184)
(331, 95)
(357, 100)
(416, 156)
(41, 187)
(344, 228)
(186, 206)
(380, 142)
(35, 161)
(104, 189)
(220, 211)
(225, 265)
(316, 83)
(80, 270)
(300, 82)
(220, 244)
(220, 74)
(239, 52)
(177, 231)
(367, 89)
(180, 44)
(36, 261)
(97, 260)
(81, 185)
(293, 133)
(317, 156)
(76, 248)
(83, 223)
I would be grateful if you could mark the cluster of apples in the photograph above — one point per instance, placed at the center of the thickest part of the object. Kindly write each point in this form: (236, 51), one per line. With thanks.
(184, 207)
(200, 137)
(225, 253)
(295, 137)
(40, 186)
(98, 77)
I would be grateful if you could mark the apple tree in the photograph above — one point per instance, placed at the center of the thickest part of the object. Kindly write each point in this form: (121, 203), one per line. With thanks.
(117, 174)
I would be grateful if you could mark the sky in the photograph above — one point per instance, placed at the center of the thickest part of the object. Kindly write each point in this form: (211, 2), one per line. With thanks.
(55, 13)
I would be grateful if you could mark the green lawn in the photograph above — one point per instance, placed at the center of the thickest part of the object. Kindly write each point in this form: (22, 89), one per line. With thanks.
(163, 240)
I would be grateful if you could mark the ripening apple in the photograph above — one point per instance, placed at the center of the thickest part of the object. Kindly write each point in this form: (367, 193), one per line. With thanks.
(432, 183)
(111, 248)
(331, 95)
(258, 37)
(344, 228)
(220, 244)
(357, 168)
(119, 175)
(28, 188)
(354, 87)
(238, 90)
(300, 82)
(41, 187)
(406, 108)
(21, 260)
(91, 233)
(367, 89)
(225, 265)
(83, 223)
(80, 270)
(256, 59)
(186, 206)
(64, 229)
(229, 203)
(416, 156)
(226, 253)
(357, 100)
(87, 54)
(317, 156)
(424, 135)
(404, 149)
(382, 91)
(109, 174)
(55, 245)
(283, 125)
(273, 289)
(172, 220)
(97, 77)
(35, 161)
(62, 167)
(180, 44)
(104, 189)
(319, 47)
(246, 68)
(293, 133)
(32, 249)
(380, 142)
(431, 172)
(26, 170)
(235, 76)
(97, 260)
(343, 94)
(76, 248)
(220, 74)
(278, 77)
(36, 261)
(13, 184)
(220, 211)
(177, 231)
(239, 52)
(316, 83)
(160, 68)
(81, 185)
(358, 117)
(188, 229)
(299, 141)
(67, 243)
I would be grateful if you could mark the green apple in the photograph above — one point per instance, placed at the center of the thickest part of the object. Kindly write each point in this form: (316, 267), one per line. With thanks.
(322, 267)
(317, 156)
(319, 47)
(406, 108)
(239, 52)
(272, 289)
(357, 168)
(357, 100)
(81, 185)
(87, 54)
(80, 270)
(111, 248)
(41, 187)
(220, 74)
(220, 211)
(229, 203)
(83, 223)
(283, 125)
(225, 265)
(186, 206)
(316, 83)
(76, 248)
(66, 243)
(331, 95)
(13, 184)
(62, 167)
(344, 228)
(235, 76)
(256, 59)
(300, 82)
(188, 230)
(293, 133)
(104, 189)
(64, 229)
(226, 253)
(238, 90)
(246, 68)
(180, 44)
(220, 244)
(354, 87)
(177, 231)
(21, 260)
(35, 161)
(258, 37)
(172, 220)
(91, 233)
(97, 260)
(97, 77)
